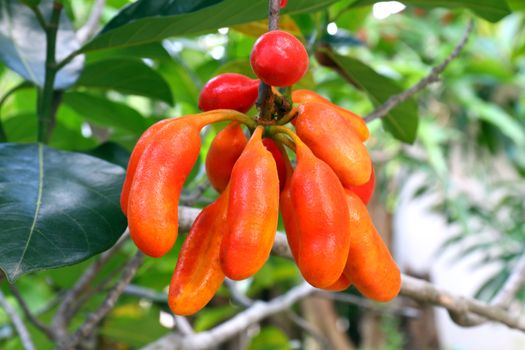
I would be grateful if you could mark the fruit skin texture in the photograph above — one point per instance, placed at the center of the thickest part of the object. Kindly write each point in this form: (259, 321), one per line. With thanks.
(229, 91)
(252, 211)
(279, 59)
(198, 274)
(147, 137)
(224, 151)
(341, 284)
(358, 124)
(366, 190)
(370, 266)
(332, 139)
(154, 195)
(272, 147)
(321, 237)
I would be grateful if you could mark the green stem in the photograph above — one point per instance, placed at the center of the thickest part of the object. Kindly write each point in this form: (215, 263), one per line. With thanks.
(68, 59)
(46, 112)
(39, 16)
(22, 85)
(219, 115)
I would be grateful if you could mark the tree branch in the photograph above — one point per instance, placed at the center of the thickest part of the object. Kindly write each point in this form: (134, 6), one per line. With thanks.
(91, 25)
(432, 77)
(17, 322)
(502, 299)
(217, 335)
(64, 312)
(94, 318)
(29, 315)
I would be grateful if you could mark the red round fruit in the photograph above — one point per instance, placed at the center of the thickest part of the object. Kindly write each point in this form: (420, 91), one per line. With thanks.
(366, 190)
(279, 59)
(229, 91)
(283, 3)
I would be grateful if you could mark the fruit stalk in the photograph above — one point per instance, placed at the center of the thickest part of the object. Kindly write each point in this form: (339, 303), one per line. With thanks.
(265, 98)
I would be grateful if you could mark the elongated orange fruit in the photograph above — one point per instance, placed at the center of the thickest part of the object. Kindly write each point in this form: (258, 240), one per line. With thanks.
(341, 284)
(321, 236)
(332, 139)
(147, 137)
(252, 211)
(224, 151)
(158, 178)
(198, 274)
(370, 266)
(358, 124)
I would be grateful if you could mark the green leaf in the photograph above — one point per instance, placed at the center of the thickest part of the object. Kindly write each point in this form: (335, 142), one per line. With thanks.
(128, 76)
(154, 51)
(104, 112)
(112, 152)
(164, 20)
(402, 121)
(23, 43)
(270, 338)
(491, 10)
(56, 208)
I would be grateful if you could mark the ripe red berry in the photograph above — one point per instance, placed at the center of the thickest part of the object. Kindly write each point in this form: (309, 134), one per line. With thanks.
(283, 3)
(279, 59)
(229, 91)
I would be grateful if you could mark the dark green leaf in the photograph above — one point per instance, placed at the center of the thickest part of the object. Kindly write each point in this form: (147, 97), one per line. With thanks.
(56, 208)
(23, 43)
(146, 8)
(154, 51)
(402, 121)
(104, 112)
(491, 10)
(134, 30)
(113, 153)
(128, 76)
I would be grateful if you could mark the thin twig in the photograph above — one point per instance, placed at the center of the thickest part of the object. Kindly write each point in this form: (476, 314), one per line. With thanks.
(146, 293)
(94, 318)
(425, 292)
(368, 304)
(221, 333)
(91, 25)
(17, 322)
(183, 325)
(39, 17)
(48, 331)
(308, 328)
(237, 296)
(64, 314)
(432, 77)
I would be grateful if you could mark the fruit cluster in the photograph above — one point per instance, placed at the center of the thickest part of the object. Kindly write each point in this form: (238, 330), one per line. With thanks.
(322, 199)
